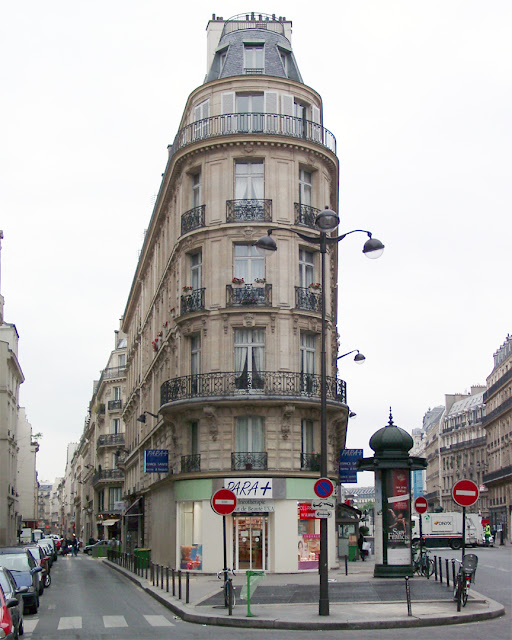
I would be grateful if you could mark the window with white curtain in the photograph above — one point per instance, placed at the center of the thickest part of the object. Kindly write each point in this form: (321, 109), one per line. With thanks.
(249, 181)
(250, 107)
(249, 436)
(249, 264)
(196, 190)
(253, 58)
(196, 267)
(249, 358)
(305, 187)
(306, 268)
(307, 361)
(307, 436)
(195, 362)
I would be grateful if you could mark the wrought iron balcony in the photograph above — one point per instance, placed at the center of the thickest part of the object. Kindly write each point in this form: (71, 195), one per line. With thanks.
(190, 464)
(193, 301)
(249, 295)
(306, 215)
(249, 210)
(308, 300)
(266, 383)
(115, 405)
(249, 461)
(110, 439)
(274, 124)
(310, 461)
(193, 219)
(114, 372)
(107, 475)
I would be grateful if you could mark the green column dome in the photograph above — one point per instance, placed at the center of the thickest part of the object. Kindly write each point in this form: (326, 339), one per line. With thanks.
(391, 441)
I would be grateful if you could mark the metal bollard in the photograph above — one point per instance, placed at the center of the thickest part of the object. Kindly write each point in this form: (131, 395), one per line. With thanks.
(435, 567)
(167, 579)
(187, 588)
(152, 573)
(173, 582)
(447, 573)
(346, 565)
(408, 596)
(441, 570)
(453, 571)
(179, 584)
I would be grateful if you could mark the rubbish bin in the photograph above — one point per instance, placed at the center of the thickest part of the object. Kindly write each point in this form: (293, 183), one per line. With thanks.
(353, 551)
(143, 556)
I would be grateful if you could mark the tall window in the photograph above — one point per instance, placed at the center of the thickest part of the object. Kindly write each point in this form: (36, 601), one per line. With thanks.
(194, 438)
(306, 268)
(201, 115)
(121, 360)
(101, 500)
(114, 495)
(308, 443)
(116, 426)
(307, 361)
(253, 59)
(249, 181)
(196, 190)
(249, 358)
(300, 118)
(305, 187)
(117, 393)
(195, 362)
(196, 267)
(249, 265)
(250, 108)
(249, 435)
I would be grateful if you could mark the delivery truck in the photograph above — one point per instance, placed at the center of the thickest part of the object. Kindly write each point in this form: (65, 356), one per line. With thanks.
(445, 529)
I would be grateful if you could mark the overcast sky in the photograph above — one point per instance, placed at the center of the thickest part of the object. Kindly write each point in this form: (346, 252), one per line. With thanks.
(419, 97)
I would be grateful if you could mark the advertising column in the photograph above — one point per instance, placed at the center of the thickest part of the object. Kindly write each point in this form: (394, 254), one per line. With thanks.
(398, 520)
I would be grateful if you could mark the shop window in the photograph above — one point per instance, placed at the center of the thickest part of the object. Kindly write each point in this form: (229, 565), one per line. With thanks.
(191, 548)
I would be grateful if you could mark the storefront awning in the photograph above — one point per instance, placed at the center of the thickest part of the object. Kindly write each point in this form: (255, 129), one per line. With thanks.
(109, 523)
(131, 507)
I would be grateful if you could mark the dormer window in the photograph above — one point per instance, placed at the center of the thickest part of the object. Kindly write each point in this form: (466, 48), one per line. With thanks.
(253, 59)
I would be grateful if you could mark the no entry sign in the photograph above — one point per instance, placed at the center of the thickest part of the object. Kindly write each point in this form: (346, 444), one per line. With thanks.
(420, 504)
(465, 493)
(323, 488)
(223, 502)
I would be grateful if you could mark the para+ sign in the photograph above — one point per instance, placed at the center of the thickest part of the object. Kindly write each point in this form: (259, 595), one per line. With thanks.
(250, 488)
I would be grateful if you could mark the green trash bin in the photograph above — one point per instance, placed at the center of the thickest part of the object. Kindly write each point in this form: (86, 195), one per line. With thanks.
(353, 550)
(144, 557)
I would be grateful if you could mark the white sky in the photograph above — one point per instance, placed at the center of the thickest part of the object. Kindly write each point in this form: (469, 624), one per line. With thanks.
(419, 97)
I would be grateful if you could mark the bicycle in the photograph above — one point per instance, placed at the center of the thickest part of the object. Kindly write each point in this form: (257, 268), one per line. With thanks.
(464, 578)
(422, 563)
(228, 588)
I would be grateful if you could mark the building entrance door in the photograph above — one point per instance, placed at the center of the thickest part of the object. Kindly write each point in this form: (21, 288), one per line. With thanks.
(250, 542)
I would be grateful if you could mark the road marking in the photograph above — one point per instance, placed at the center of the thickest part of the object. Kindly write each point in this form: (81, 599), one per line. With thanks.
(114, 621)
(71, 622)
(30, 625)
(159, 621)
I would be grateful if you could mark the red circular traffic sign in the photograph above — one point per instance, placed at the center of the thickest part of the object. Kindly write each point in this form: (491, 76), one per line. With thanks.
(323, 488)
(223, 502)
(421, 505)
(465, 493)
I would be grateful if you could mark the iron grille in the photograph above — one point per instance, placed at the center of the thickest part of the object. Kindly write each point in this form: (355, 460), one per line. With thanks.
(249, 210)
(193, 301)
(193, 219)
(248, 460)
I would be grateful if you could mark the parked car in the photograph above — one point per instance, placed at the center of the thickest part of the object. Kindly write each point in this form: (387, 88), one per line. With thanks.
(25, 572)
(42, 559)
(50, 542)
(47, 552)
(7, 627)
(11, 591)
(101, 543)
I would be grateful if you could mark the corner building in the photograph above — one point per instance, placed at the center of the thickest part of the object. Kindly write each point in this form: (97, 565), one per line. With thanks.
(223, 343)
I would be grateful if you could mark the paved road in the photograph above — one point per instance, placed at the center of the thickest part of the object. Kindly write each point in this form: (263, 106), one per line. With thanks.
(88, 601)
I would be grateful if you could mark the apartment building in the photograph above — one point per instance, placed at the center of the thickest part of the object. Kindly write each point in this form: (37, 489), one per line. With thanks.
(498, 428)
(432, 421)
(223, 344)
(26, 480)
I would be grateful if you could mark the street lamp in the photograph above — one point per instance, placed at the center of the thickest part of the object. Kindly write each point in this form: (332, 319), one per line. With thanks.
(358, 358)
(326, 221)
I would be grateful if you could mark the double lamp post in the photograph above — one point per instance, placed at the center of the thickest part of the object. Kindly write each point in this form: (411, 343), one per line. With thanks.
(326, 221)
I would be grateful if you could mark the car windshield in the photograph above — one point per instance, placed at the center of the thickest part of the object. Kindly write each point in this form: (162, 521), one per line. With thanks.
(15, 561)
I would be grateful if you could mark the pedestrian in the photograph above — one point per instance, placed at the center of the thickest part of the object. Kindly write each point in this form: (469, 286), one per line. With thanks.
(487, 534)
(74, 545)
(360, 543)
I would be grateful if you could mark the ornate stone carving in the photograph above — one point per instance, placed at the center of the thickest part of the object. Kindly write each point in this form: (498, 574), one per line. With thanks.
(286, 420)
(249, 320)
(225, 317)
(210, 414)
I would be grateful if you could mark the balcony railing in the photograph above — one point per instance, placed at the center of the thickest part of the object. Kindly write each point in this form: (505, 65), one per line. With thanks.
(499, 475)
(114, 372)
(193, 219)
(504, 406)
(193, 301)
(274, 124)
(190, 464)
(265, 383)
(115, 405)
(506, 377)
(249, 296)
(310, 461)
(106, 475)
(308, 300)
(305, 215)
(110, 439)
(247, 210)
(249, 461)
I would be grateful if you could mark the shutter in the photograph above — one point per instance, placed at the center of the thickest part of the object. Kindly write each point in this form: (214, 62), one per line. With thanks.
(286, 104)
(271, 111)
(316, 128)
(228, 122)
(228, 102)
(287, 117)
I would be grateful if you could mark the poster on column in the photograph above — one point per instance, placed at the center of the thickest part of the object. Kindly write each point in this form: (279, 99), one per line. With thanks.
(398, 492)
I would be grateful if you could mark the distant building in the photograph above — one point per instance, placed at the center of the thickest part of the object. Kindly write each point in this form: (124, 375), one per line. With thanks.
(26, 473)
(498, 427)
(432, 421)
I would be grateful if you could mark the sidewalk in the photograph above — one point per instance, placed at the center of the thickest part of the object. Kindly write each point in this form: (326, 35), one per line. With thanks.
(290, 601)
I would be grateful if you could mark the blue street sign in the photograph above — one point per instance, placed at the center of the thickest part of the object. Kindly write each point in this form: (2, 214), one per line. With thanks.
(156, 461)
(348, 464)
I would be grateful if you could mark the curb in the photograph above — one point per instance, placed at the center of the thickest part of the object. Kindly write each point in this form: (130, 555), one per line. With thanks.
(271, 623)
